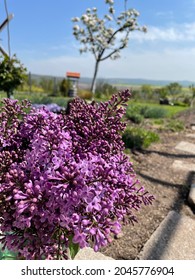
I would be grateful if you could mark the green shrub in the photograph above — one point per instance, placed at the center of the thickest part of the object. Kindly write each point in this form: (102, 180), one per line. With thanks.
(153, 112)
(159, 121)
(133, 114)
(85, 94)
(175, 125)
(106, 89)
(64, 87)
(98, 95)
(184, 103)
(145, 111)
(138, 138)
(135, 117)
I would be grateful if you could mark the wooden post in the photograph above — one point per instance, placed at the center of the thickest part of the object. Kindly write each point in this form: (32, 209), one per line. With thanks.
(2, 26)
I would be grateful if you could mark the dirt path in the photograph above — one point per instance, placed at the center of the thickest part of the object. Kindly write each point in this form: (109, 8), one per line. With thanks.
(169, 185)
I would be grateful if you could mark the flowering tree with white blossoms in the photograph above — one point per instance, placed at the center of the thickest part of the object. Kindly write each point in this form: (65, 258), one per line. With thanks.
(105, 37)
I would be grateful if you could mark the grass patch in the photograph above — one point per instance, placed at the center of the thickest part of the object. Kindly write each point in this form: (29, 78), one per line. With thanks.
(175, 126)
(170, 110)
(158, 122)
(150, 112)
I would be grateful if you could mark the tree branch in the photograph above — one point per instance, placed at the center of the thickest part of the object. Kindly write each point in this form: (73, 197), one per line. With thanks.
(113, 52)
(92, 41)
(125, 26)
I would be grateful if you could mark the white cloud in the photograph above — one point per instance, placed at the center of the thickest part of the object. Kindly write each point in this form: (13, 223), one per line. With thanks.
(177, 33)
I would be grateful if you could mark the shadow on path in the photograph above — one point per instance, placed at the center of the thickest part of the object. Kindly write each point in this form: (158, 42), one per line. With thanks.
(165, 154)
(161, 244)
(158, 181)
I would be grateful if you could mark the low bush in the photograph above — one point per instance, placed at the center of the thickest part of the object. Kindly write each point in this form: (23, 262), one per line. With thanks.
(175, 125)
(144, 112)
(138, 138)
(158, 121)
(153, 112)
(105, 89)
(135, 117)
(133, 114)
(184, 103)
(85, 94)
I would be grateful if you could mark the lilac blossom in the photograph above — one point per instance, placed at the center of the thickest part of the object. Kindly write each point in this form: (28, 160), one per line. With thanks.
(65, 177)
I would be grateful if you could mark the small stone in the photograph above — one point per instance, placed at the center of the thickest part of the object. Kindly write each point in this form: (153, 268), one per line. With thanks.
(172, 240)
(191, 135)
(182, 165)
(186, 147)
(191, 196)
(118, 236)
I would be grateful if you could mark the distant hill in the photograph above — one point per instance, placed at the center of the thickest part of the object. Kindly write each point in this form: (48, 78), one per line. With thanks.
(137, 82)
(118, 81)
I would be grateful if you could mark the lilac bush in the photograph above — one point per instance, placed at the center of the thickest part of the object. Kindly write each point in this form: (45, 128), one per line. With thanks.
(64, 178)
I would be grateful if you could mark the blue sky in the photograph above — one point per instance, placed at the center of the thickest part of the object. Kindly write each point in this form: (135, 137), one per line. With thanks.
(41, 37)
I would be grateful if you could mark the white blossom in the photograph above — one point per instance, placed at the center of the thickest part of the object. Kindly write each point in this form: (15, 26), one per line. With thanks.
(131, 22)
(75, 34)
(76, 27)
(121, 17)
(129, 13)
(136, 13)
(110, 30)
(75, 19)
(94, 9)
(108, 17)
(144, 29)
(82, 50)
(124, 41)
(85, 18)
(111, 2)
(83, 40)
(115, 55)
(82, 31)
(111, 10)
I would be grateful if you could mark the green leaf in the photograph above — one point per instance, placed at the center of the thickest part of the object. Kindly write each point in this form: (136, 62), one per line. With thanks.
(7, 255)
(73, 247)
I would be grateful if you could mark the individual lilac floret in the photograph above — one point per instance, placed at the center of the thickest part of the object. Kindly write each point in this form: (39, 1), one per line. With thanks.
(65, 177)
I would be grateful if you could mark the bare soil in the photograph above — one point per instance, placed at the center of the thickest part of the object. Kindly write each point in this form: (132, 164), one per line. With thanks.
(169, 186)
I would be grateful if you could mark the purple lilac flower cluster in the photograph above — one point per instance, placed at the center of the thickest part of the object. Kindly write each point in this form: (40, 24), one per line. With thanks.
(65, 177)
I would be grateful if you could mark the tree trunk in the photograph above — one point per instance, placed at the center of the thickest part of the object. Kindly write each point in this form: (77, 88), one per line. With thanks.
(93, 84)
